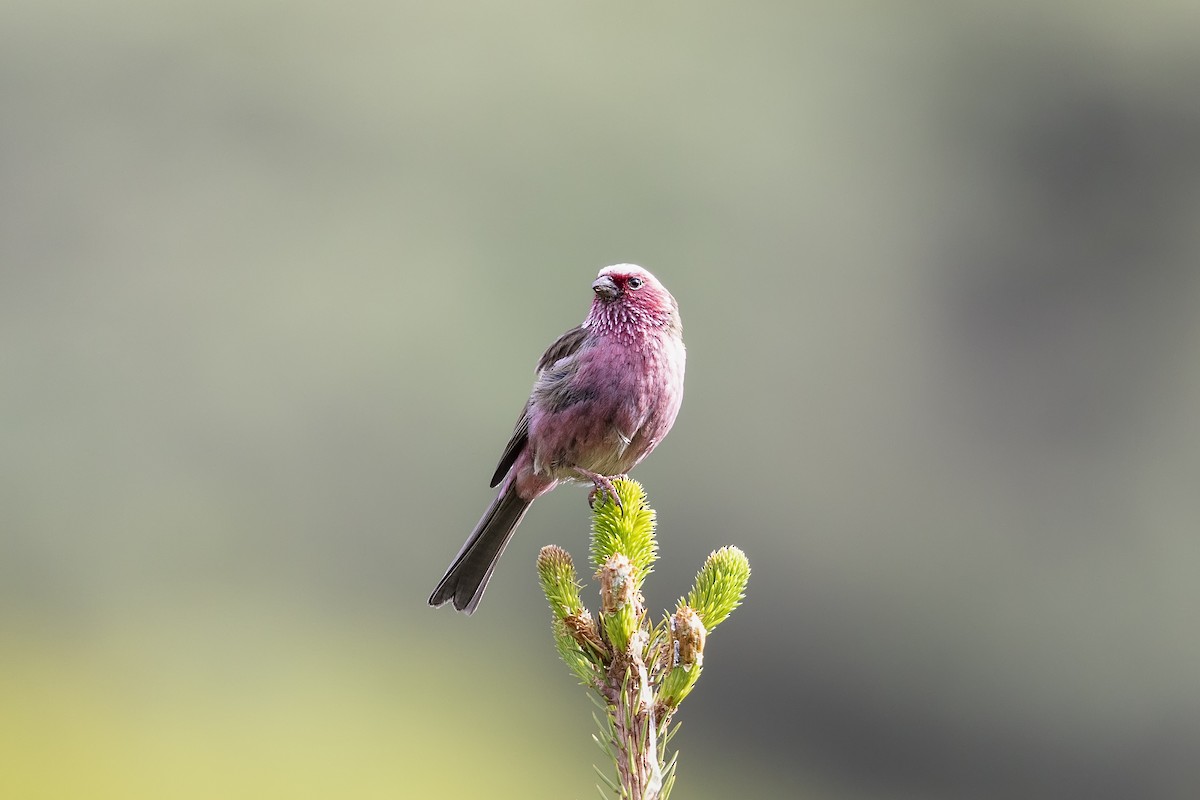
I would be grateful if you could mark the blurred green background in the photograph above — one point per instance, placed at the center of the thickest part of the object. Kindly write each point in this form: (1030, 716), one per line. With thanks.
(273, 279)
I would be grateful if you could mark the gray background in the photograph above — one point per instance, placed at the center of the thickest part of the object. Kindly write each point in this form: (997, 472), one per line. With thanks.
(273, 279)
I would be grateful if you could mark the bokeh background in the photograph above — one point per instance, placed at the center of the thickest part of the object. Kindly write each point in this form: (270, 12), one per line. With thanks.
(273, 279)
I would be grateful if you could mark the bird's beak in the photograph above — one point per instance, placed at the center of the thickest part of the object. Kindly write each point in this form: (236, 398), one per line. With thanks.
(605, 288)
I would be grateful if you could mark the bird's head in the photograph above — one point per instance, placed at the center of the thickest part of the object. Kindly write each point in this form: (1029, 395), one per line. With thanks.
(628, 295)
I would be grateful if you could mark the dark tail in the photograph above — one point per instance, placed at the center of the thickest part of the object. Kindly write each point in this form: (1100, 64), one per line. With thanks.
(468, 576)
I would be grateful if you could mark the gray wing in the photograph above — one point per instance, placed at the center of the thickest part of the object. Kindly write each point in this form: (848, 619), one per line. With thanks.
(562, 347)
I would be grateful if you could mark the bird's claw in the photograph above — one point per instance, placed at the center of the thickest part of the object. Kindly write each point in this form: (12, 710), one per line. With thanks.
(610, 490)
(601, 483)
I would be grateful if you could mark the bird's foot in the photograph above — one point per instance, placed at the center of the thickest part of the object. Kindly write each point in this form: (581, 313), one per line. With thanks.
(600, 483)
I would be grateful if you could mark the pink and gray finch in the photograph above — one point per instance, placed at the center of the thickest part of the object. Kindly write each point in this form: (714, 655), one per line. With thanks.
(606, 394)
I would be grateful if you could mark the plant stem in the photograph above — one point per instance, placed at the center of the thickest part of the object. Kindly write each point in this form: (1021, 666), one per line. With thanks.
(635, 730)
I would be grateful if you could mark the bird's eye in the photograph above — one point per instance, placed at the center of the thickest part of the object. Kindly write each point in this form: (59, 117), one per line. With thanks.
(634, 283)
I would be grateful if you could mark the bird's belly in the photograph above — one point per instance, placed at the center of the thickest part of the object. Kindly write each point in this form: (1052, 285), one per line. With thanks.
(585, 436)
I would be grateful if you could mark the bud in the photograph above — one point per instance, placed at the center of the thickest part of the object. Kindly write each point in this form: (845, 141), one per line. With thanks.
(685, 657)
(627, 529)
(620, 605)
(687, 638)
(720, 586)
(556, 572)
(583, 630)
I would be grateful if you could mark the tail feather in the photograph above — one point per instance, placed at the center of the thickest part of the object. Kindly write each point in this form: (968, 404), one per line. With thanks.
(468, 575)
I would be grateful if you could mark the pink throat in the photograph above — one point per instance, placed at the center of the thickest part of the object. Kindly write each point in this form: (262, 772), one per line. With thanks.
(626, 320)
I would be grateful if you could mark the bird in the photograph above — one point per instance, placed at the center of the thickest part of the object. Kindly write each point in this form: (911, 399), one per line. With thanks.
(605, 395)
